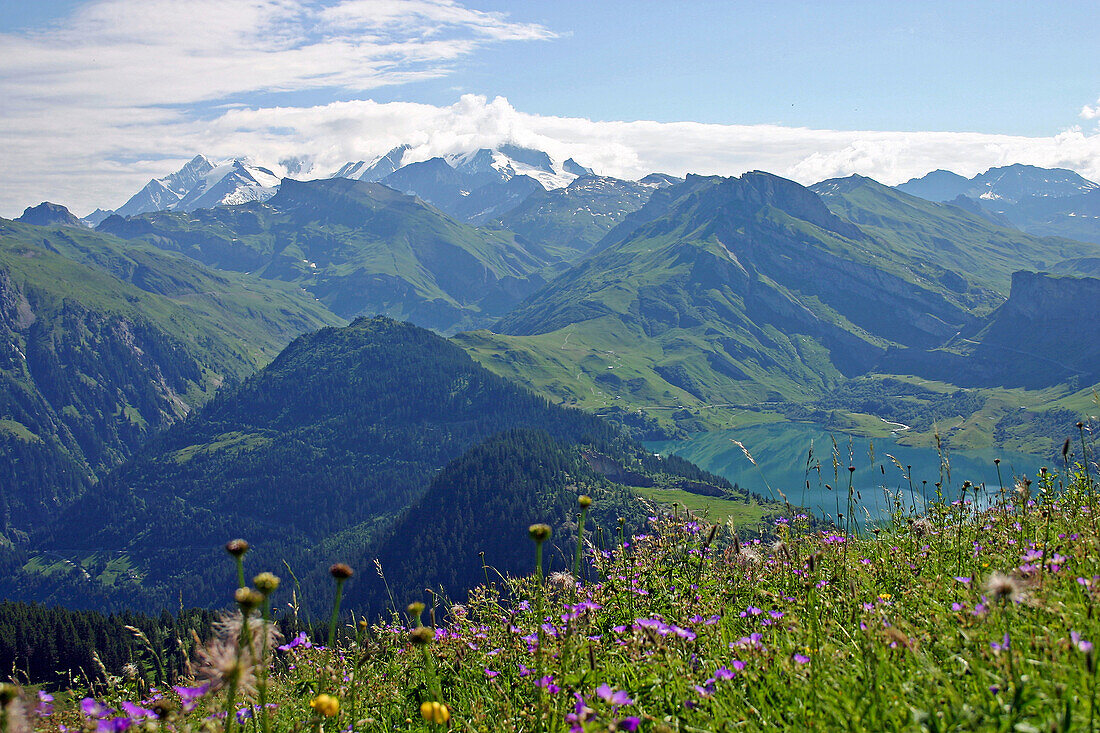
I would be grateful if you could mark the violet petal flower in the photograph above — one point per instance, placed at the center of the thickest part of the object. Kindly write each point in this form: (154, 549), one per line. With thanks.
(93, 709)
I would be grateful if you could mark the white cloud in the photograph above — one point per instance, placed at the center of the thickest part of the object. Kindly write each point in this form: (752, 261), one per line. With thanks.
(1091, 112)
(97, 106)
(119, 79)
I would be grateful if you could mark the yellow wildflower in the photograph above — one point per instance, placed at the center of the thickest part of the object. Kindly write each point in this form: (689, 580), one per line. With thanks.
(326, 705)
(435, 712)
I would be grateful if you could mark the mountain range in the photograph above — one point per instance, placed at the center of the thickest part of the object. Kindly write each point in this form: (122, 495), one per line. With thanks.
(358, 248)
(1042, 201)
(471, 186)
(150, 408)
(737, 292)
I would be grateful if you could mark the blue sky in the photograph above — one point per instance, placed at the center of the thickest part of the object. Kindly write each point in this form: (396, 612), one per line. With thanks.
(995, 67)
(103, 95)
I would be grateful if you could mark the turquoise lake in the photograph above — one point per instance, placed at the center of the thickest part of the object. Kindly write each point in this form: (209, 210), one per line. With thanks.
(797, 459)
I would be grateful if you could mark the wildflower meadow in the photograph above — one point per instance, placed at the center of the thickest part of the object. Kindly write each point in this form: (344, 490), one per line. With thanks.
(972, 614)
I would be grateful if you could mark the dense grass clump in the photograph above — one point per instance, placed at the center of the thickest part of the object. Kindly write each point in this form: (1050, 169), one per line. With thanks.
(958, 618)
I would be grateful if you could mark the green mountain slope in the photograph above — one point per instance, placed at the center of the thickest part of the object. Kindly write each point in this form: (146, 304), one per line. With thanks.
(102, 343)
(360, 248)
(308, 459)
(722, 291)
(568, 221)
(977, 255)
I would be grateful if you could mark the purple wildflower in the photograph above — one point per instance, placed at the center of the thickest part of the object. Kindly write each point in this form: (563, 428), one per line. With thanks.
(93, 709)
(300, 640)
(547, 683)
(580, 714)
(1081, 644)
(189, 696)
(44, 708)
(613, 697)
(135, 711)
(706, 689)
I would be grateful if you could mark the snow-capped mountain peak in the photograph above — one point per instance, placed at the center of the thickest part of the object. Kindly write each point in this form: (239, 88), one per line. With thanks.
(481, 166)
(508, 161)
(202, 184)
(374, 170)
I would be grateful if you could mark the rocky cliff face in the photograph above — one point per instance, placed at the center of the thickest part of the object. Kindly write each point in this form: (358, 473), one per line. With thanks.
(1046, 333)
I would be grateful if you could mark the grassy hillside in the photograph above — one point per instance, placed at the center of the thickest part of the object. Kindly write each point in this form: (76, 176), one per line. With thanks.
(977, 255)
(360, 248)
(726, 303)
(720, 293)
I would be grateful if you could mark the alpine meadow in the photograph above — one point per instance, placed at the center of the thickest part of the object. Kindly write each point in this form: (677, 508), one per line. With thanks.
(474, 365)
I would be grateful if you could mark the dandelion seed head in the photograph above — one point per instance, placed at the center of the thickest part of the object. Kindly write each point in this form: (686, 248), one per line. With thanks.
(561, 582)
(1002, 587)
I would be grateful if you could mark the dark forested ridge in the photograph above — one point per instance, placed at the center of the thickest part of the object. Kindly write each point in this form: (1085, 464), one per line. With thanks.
(484, 501)
(307, 459)
(57, 645)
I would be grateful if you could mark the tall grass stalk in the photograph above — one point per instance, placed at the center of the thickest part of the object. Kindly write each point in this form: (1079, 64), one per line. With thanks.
(584, 502)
